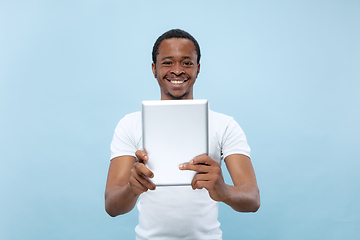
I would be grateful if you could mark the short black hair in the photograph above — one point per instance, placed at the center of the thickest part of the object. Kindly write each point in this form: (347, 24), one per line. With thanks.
(175, 33)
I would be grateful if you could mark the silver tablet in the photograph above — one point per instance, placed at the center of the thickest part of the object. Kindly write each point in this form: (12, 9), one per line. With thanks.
(174, 132)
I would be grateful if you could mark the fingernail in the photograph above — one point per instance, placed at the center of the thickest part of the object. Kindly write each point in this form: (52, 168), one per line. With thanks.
(181, 165)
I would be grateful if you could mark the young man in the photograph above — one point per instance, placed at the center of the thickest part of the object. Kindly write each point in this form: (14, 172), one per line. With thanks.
(180, 212)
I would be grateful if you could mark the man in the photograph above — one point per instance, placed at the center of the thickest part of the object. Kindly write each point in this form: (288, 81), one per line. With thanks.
(180, 212)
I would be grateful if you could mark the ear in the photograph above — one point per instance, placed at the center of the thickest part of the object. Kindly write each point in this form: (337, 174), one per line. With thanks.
(198, 70)
(153, 67)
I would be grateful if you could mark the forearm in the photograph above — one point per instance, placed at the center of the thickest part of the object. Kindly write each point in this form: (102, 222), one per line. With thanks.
(119, 200)
(244, 198)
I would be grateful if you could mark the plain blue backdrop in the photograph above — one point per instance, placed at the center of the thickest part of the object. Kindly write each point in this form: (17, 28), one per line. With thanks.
(287, 71)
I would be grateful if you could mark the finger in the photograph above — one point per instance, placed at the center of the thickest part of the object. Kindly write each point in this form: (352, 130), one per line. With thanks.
(136, 186)
(197, 178)
(207, 181)
(198, 184)
(185, 166)
(203, 180)
(141, 169)
(203, 159)
(200, 168)
(141, 155)
(141, 181)
(203, 177)
(145, 184)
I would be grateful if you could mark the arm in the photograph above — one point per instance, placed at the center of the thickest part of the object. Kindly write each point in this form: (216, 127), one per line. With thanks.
(243, 196)
(126, 180)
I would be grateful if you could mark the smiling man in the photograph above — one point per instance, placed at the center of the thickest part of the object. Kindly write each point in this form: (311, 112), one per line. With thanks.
(180, 212)
(176, 68)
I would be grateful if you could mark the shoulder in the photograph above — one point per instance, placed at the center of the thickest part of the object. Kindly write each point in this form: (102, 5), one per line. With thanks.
(131, 118)
(222, 125)
(220, 119)
(127, 136)
(231, 137)
(130, 122)
(217, 116)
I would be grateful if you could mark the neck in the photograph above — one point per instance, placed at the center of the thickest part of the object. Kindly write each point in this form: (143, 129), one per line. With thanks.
(172, 97)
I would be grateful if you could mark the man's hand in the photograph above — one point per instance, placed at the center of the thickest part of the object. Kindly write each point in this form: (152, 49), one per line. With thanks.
(139, 181)
(209, 176)
(127, 178)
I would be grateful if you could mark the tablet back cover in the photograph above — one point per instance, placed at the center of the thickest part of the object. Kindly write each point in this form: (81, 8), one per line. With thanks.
(174, 132)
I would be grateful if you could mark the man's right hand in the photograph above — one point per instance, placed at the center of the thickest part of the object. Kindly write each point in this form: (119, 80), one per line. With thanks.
(127, 178)
(139, 181)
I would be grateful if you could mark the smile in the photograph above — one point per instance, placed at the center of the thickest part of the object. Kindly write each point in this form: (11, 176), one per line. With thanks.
(177, 82)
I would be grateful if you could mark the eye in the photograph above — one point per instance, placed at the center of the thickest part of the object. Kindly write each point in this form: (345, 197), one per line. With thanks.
(166, 63)
(188, 63)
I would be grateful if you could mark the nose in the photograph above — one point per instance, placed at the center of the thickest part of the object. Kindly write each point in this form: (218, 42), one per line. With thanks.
(177, 69)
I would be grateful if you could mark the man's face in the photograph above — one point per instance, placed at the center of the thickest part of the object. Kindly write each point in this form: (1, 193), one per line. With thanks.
(176, 68)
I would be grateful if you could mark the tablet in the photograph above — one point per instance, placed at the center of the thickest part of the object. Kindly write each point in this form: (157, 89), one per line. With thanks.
(174, 132)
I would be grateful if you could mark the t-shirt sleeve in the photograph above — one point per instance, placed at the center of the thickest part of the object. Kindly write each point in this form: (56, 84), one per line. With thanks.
(234, 140)
(124, 140)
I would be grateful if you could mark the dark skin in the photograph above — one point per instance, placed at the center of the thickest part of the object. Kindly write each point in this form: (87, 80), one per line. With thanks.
(176, 70)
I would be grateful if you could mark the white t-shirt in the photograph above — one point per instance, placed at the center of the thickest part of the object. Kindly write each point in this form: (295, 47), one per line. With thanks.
(178, 212)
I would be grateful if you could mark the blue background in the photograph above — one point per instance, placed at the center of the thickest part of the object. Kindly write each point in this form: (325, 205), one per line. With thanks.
(287, 71)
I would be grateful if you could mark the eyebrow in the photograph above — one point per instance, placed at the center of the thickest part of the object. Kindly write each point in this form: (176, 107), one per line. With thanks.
(170, 57)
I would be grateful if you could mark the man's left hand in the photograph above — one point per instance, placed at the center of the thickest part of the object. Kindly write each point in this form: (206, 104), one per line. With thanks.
(209, 176)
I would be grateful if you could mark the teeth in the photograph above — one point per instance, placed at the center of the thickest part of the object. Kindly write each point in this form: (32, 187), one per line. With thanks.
(176, 82)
